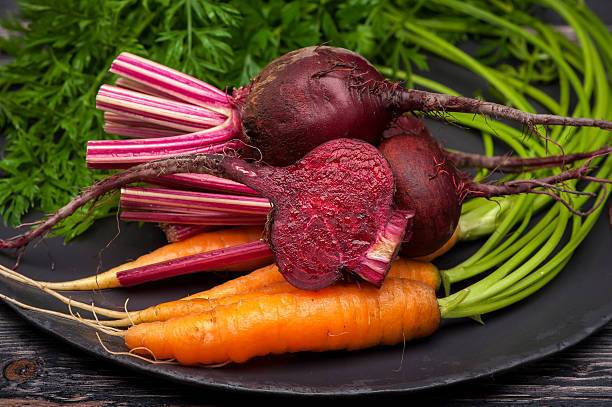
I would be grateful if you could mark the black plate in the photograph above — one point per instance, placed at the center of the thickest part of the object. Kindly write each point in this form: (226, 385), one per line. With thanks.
(570, 308)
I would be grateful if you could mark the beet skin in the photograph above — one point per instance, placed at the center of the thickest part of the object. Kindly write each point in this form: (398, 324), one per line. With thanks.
(426, 182)
(332, 213)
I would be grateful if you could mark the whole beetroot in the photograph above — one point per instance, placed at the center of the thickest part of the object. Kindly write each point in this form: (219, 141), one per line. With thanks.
(310, 96)
(426, 182)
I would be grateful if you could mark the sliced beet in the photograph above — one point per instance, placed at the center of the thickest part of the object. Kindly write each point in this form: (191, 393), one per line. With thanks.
(426, 182)
(332, 213)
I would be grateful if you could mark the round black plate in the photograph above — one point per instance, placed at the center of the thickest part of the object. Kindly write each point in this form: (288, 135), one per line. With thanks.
(570, 308)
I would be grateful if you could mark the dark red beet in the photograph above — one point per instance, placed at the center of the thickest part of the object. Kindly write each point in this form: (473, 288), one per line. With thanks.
(310, 96)
(426, 182)
(332, 213)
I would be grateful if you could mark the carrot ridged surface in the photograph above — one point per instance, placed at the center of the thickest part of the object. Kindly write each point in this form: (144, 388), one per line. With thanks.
(243, 284)
(174, 309)
(416, 270)
(339, 317)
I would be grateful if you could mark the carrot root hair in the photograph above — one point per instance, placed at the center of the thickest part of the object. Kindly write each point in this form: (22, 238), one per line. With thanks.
(20, 278)
(71, 316)
(133, 353)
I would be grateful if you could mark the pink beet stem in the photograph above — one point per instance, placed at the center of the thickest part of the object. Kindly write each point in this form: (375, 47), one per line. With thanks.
(134, 205)
(170, 199)
(107, 157)
(211, 219)
(153, 109)
(204, 182)
(216, 260)
(137, 132)
(116, 118)
(167, 80)
(139, 87)
(216, 134)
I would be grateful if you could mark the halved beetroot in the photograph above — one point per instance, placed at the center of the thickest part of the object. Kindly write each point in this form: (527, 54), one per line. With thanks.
(332, 213)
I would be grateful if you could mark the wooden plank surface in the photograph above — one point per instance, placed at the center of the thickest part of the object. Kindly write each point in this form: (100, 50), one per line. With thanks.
(41, 370)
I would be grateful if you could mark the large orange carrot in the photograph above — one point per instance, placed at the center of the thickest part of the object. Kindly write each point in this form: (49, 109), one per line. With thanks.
(204, 242)
(339, 317)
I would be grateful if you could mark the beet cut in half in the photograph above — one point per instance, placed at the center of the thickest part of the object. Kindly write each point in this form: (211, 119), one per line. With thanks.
(332, 213)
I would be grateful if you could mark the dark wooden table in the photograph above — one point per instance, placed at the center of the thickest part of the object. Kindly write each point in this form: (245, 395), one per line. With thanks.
(41, 370)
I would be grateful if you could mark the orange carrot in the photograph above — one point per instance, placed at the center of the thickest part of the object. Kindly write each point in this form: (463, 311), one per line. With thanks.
(403, 268)
(411, 269)
(179, 308)
(266, 280)
(244, 284)
(204, 242)
(339, 317)
(450, 243)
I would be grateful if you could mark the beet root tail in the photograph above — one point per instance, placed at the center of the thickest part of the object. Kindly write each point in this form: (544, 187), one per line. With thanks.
(520, 164)
(417, 100)
(544, 186)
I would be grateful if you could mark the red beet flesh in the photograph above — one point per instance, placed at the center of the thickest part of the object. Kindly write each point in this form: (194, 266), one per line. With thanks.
(310, 96)
(332, 213)
(426, 182)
